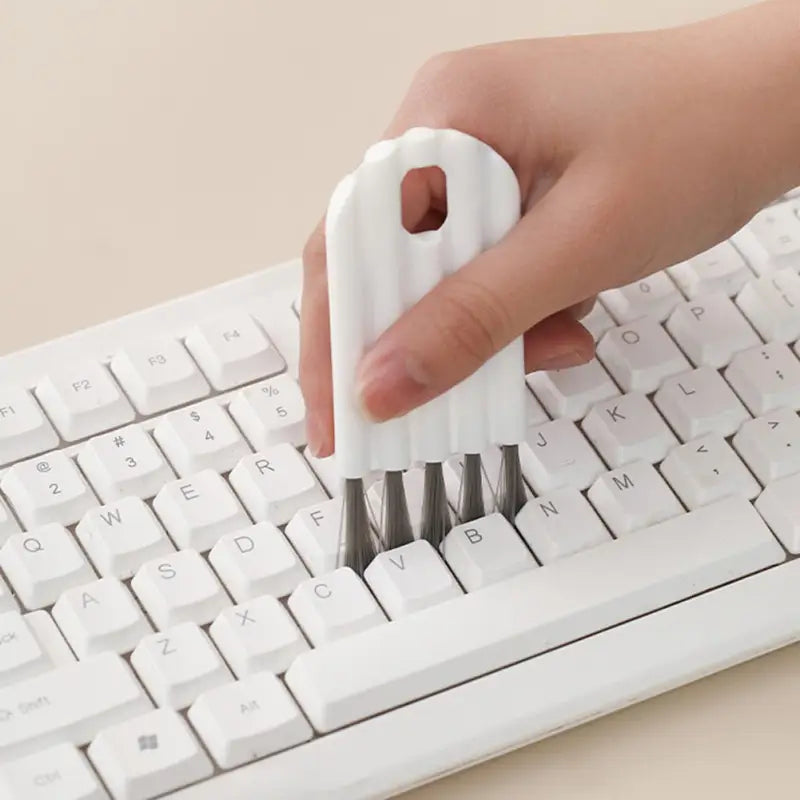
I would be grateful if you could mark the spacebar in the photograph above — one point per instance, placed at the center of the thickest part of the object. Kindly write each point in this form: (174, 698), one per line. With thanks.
(409, 658)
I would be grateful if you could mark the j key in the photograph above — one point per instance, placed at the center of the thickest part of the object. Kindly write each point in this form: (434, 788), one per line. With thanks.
(770, 445)
(654, 297)
(316, 534)
(24, 430)
(720, 269)
(766, 378)
(271, 412)
(571, 392)
(8, 524)
(779, 504)
(772, 304)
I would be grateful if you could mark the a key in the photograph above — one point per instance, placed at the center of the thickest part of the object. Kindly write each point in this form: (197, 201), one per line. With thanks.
(83, 400)
(179, 588)
(275, 484)
(47, 489)
(149, 755)
(559, 524)
(414, 484)
(699, 402)
(178, 664)
(711, 330)
(556, 454)
(124, 463)
(257, 635)
(257, 560)
(654, 296)
(719, 269)
(640, 356)
(770, 445)
(485, 551)
(628, 428)
(598, 321)
(24, 429)
(8, 525)
(21, 655)
(42, 563)
(200, 437)
(766, 378)
(409, 578)
(248, 719)
(122, 536)
(334, 605)
(571, 392)
(316, 534)
(705, 470)
(232, 350)
(632, 497)
(158, 374)
(779, 504)
(100, 616)
(271, 412)
(778, 229)
(772, 304)
(198, 510)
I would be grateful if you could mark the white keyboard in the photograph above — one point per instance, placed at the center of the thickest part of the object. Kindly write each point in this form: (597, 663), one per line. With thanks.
(172, 619)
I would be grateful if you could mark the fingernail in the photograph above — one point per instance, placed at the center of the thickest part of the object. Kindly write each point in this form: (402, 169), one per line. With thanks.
(389, 384)
(316, 440)
(570, 358)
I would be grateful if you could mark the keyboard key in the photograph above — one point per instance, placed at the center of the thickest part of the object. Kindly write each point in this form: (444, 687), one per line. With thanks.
(47, 489)
(779, 504)
(571, 392)
(628, 428)
(179, 588)
(772, 304)
(21, 655)
(178, 665)
(256, 636)
(632, 497)
(598, 321)
(770, 445)
(124, 463)
(334, 605)
(43, 563)
(414, 484)
(49, 637)
(257, 560)
(271, 412)
(654, 296)
(778, 229)
(275, 484)
(158, 374)
(83, 400)
(232, 350)
(248, 719)
(315, 533)
(149, 755)
(485, 551)
(705, 470)
(700, 402)
(534, 413)
(8, 525)
(640, 356)
(534, 611)
(453, 470)
(197, 511)
(720, 269)
(711, 330)
(24, 429)
(766, 378)
(559, 524)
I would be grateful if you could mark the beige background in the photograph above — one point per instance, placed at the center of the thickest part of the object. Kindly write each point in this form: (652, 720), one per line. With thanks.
(151, 148)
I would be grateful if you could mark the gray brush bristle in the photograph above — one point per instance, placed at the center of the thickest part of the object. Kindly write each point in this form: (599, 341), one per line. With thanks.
(512, 487)
(471, 506)
(436, 520)
(396, 520)
(359, 549)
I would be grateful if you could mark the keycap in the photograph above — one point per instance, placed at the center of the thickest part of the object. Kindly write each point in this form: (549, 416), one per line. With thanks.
(719, 269)
(271, 412)
(49, 637)
(257, 635)
(699, 402)
(766, 378)
(559, 524)
(100, 616)
(42, 563)
(200, 437)
(315, 533)
(198, 510)
(453, 470)
(534, 413)
(21, 655)
(82, 399)
(485, 551)
(248, 719)
(779, 504)
(394, 664)
(275, 484)
(47, 489)
(24, 429)
(334, 605)
(705, 470)
(598, 321)
(124, 463)
(628, 428)
(571, 392)
(149, 755)
(158, 374)
(654, 296)
(231, 349)
(8, 525)
(256, 560)
(179, 588)
(632, 497)
(778, 230)
(60, 772)
(178, 665)
(711, 330)
(122, 536)
(770, 445)
(640, 356)
(556, 454)
(69, 704)
(771, 303)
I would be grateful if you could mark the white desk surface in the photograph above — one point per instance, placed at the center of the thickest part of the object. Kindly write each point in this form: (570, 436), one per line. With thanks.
(149, 148)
